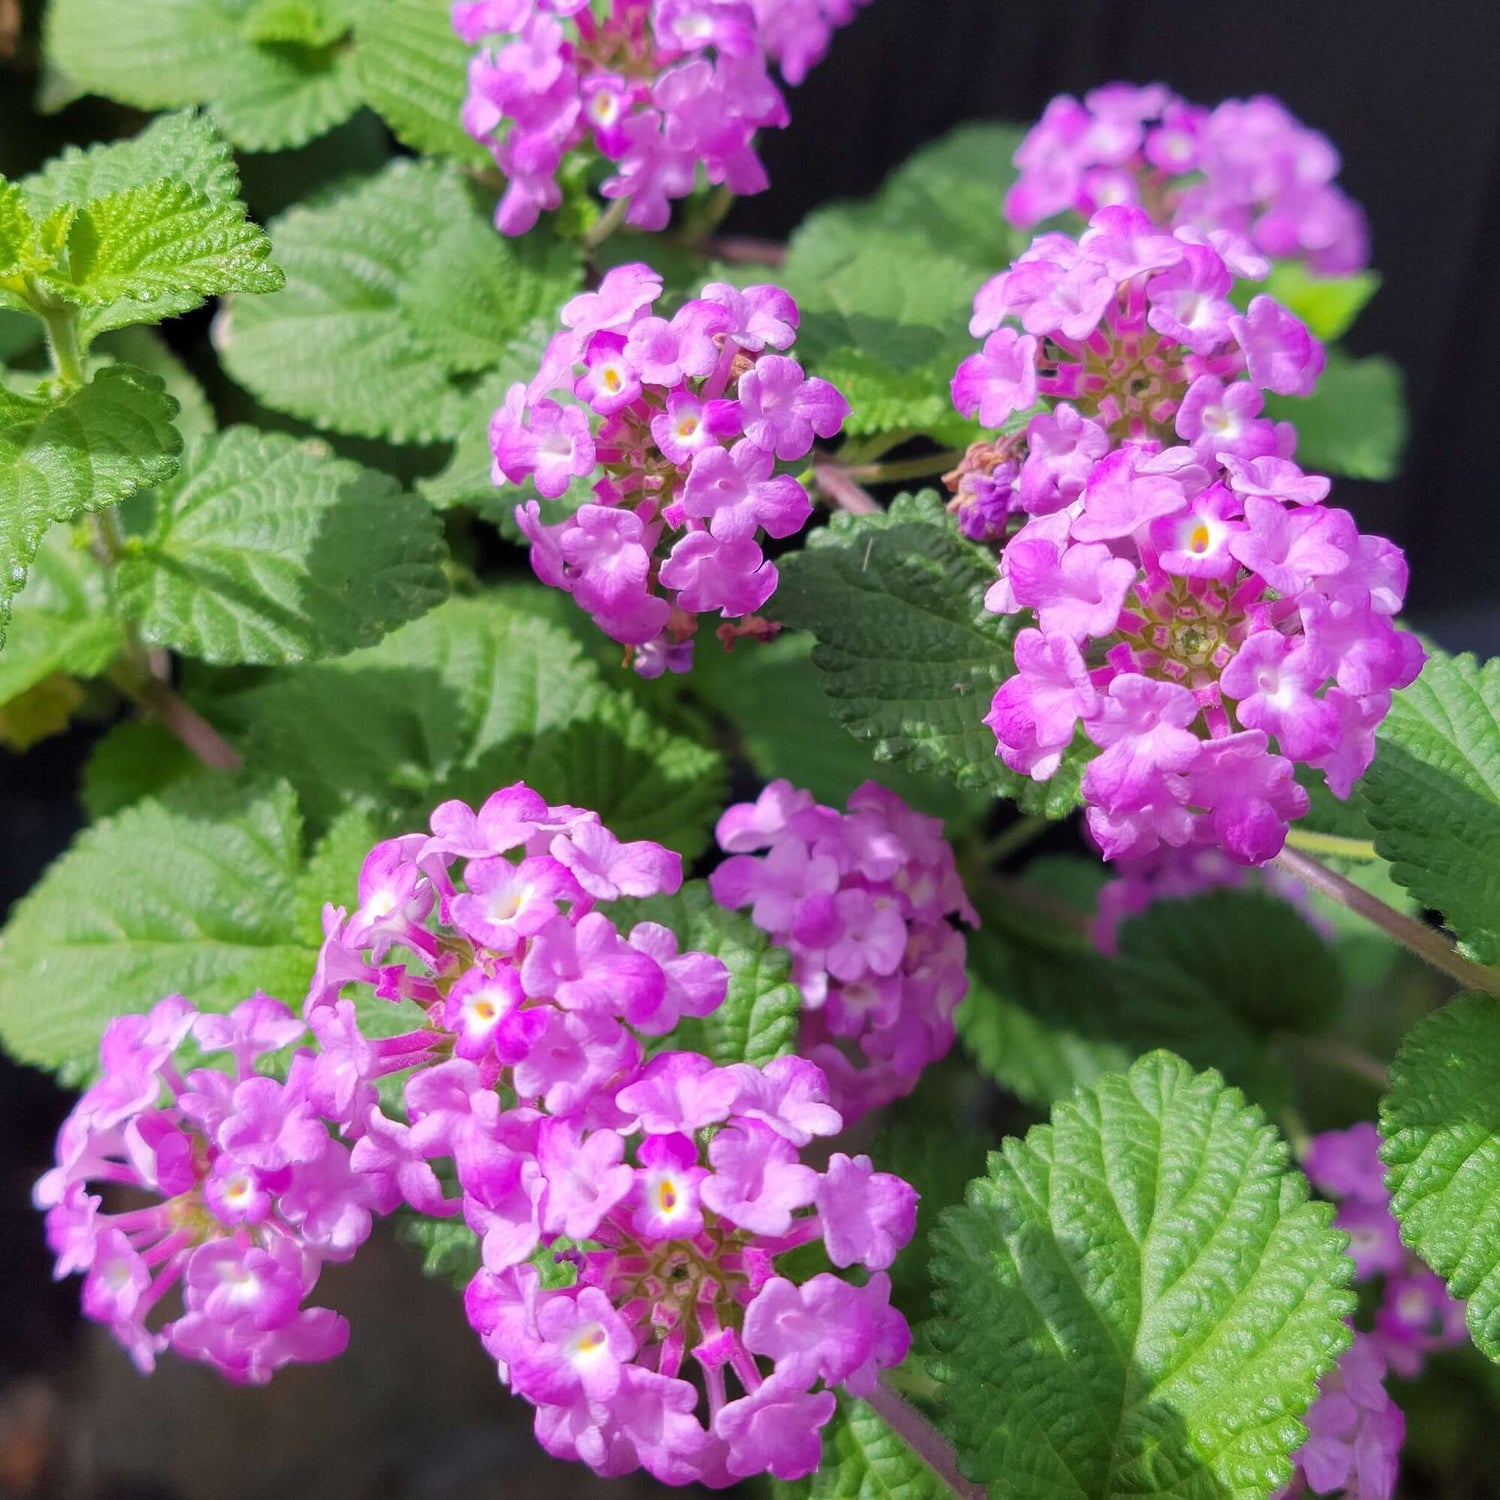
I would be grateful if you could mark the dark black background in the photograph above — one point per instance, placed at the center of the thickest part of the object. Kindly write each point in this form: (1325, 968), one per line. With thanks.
(1406, 91)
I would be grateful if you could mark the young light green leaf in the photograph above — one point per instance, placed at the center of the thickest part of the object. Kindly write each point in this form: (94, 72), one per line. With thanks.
(1354, 423)
(152, 252)
(266, 93)
(909, 654)
(758, 1019)
(450, 1249)
(1138, 1299)
(403, 279)
(58, 461)
(1433, 796)
(307, 23)
(1327, 304)
(863, 1459)
(193, 892)
(414, 70)
(60, 622)
(477, 694)
(269, 550)
(17, 247)
(1441, 1123)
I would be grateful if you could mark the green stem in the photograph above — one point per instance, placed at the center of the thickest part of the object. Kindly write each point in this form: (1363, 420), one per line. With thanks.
(1012, 840)
(1333, 845)
(1347, 1058)
(64, 344)
(606, 224)
(1429, 945)
(907, 468)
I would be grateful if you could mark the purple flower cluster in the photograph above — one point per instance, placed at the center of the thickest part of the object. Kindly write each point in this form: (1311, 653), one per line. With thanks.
(680, 1259)
(1246, 166)
(231, 1193)
(863, 900)
(1354, 1429)
(685, 421)
(631, 1213)
(1194, 599)
(659, 88)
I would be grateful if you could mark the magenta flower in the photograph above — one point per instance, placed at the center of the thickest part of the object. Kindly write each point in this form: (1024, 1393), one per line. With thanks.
(863, 900)
(683, 424)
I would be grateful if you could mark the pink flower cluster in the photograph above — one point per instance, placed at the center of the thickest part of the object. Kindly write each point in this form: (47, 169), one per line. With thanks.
(660, 88)
(1355, 1430)
(684, 421)
(864, 901)
(1194, 599)
(1246, 166)
(216, 1186)
(685, 1199)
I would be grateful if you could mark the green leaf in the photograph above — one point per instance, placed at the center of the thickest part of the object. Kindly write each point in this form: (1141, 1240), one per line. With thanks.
(414, 70)
(60, 622)
(402, 280)
(1441, 1123)
(758, 1019)
(182, 146)
(891, 340)
(1433, 796)
(863, 1459)
(18, 231)
(450, 1249)
(1327, 304)
(1138, 1299)
(477, 694)
(138, 758)
(770, 694)
(265, 93)
(909, 654)
(193, 892)
(147, 350)
(1354, 423)
(308, 23)
(148, 253)
(57, 462)
(267, 549)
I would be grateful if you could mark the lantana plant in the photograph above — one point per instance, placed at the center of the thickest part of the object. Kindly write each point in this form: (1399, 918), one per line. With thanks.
(633, 756)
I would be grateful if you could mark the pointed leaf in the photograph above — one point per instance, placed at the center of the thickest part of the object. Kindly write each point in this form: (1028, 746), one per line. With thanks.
(1138, 1299)
(864, 1460)
(267, 549)
(1354, 423)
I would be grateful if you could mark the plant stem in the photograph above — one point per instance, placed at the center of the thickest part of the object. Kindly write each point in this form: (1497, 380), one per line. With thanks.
(739, 249)
(184, 721)
(64, 345)
(606, 224)
(1334, 845)
(1012, 840)
(907, 468)
(1424, 941)
(923, 1439)
(839, 488)
(1350, 1059)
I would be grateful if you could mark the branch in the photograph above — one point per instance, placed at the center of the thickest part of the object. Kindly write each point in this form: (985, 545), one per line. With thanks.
(836, 484)
(184, 721)
(1427, 943)
(739, 249)
(923, 1439)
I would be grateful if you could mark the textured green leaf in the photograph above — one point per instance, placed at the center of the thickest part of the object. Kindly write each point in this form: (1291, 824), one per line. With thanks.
(60, 621)
(1354, 423)
(450, 1249)
(17, 247)
(138, 758)
(398, 294)
(758, 1019)
(266, 549)
(770, 694)
(1433, 796)
(477, 694)
(889, 339)
(191, 893)
(909, 654)
(152, 252)
(307, 23)
(864, 1460)
(266, 94)
(1441, 1123)
(1327, 304)
(57, 462)
(147, 350)
(414, 70)
(1138, 1299)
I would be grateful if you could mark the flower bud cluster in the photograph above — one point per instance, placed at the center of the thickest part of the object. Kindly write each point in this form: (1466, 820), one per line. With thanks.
(658, 88)
(1246, 166)
(632, 1212)
(217, 1185)
(865, 901)
(684, 421)
(1355, 1430)
(1199, 612)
